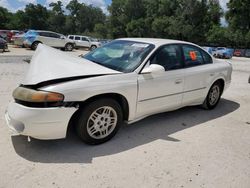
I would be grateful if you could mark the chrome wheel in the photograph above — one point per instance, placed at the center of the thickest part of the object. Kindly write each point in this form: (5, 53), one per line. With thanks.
(102, 122)
(214, 95)
(69, 47)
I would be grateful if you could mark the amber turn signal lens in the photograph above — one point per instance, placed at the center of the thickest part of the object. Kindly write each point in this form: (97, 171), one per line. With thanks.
(30, 95)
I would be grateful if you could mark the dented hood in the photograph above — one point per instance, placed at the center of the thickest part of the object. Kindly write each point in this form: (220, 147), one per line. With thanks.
(50, 64)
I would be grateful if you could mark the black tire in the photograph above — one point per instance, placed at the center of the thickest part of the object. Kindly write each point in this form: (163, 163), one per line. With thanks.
(83, 121)
(93, 48)
(69, 47)
(34, 45)
(210, 104)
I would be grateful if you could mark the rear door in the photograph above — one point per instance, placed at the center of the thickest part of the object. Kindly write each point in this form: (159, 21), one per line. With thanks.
(44, 37)
(199, 73)
(77, 40)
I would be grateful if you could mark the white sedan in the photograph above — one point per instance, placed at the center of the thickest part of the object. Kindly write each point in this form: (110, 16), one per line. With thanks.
(122, 81)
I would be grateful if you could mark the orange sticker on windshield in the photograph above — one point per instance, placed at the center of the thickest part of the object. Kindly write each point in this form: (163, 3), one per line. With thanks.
(193, 55)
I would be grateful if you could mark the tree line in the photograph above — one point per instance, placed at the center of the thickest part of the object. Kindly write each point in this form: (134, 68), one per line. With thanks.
(197, 21)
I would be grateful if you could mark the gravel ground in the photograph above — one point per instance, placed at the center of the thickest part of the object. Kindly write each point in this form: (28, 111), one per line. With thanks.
(20, 52)
(189, 147)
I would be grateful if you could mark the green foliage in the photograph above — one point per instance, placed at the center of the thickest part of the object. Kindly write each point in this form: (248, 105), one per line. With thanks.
(101, 30)
(56, 17)
(81, 18)
(191, 20)
(238, 15)
(36, 16)
(4, 17)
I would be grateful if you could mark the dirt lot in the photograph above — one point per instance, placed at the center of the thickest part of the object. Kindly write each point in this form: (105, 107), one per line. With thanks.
(189, 147)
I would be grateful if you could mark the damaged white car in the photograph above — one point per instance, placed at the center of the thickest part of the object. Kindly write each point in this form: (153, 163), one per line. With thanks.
(122, 81)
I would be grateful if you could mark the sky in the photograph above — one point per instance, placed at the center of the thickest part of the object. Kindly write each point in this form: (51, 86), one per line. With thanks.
(14, 5)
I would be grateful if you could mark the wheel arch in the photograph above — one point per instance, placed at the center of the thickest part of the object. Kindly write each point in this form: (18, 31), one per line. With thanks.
(123, 102)
(221, 80)
(70, 43)
(38, 41)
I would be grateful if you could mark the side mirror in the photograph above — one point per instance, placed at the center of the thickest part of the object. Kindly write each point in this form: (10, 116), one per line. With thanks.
(153, 68)
(62, 37)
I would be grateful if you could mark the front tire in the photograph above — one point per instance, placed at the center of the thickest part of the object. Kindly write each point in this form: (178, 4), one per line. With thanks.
(93, 48)
(34, 45)
(99, 121)
(213, 96)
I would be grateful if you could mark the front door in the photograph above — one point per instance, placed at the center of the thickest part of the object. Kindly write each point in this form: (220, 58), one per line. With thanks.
(84, 42)
(162, 91)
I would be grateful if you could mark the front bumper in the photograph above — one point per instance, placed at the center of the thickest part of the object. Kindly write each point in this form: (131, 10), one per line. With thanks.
(40, 123)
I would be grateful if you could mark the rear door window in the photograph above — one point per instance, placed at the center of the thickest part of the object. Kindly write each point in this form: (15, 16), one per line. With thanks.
(44, 34)
(206, 57)
(192, 56)
(54, 35)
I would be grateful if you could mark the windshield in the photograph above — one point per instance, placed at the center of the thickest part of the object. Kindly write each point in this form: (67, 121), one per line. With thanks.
(120, 55)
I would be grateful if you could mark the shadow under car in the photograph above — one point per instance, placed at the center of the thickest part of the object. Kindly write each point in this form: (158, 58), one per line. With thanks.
(160, 126)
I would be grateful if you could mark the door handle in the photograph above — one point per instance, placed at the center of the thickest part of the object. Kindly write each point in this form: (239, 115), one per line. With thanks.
(178, 81)
(211, 74)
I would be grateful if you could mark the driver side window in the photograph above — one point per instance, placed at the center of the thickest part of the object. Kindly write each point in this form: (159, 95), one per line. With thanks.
(170, 57)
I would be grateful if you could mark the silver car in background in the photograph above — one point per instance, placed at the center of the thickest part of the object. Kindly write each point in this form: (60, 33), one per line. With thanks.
(85, 42)
(49, 38)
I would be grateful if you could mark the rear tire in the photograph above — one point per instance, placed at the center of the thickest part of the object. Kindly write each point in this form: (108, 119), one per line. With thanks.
(69, 47)
(99, 121)
(213, 96)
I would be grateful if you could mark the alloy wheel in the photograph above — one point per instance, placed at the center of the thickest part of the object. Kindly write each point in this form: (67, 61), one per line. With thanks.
(214, 95)
(102, 122)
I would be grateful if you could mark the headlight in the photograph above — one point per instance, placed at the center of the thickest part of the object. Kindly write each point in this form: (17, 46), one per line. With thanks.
(30, 95)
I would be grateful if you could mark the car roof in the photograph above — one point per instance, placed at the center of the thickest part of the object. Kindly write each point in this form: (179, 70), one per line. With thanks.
(79, 36)
(156, 41)
(47, 31)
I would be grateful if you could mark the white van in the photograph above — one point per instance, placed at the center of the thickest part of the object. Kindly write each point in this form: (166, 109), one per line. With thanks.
(85, 42)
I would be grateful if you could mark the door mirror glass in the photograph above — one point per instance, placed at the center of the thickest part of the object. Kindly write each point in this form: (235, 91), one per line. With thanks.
(153, 69)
